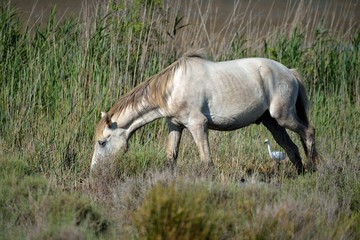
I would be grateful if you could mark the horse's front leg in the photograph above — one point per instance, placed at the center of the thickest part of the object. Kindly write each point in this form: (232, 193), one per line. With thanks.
(174, 138)
(199, 130)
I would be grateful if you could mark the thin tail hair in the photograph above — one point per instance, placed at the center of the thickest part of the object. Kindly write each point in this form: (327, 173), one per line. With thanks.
(302, 102)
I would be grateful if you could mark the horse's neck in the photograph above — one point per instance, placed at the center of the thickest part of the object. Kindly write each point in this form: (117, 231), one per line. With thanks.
(144, 118)
(132, 119)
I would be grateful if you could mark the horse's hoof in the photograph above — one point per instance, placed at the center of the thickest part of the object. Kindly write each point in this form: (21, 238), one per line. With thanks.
(301, 170)
(171, 165)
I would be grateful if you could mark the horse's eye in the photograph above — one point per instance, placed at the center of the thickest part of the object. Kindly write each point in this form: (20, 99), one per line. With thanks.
(102, 143)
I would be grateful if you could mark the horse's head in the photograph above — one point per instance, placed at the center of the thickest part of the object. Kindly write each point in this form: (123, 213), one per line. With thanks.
(109, 140)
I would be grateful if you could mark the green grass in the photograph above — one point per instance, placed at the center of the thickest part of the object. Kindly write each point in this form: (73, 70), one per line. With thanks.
(57, 77)
(32, 205)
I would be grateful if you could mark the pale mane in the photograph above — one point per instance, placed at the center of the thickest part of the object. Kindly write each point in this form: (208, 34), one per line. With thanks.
(155, 89)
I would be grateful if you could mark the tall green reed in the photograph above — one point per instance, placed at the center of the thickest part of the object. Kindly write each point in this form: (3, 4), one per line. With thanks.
(57, 77)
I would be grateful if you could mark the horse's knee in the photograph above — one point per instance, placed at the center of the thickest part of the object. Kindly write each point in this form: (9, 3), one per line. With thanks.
(171, 156)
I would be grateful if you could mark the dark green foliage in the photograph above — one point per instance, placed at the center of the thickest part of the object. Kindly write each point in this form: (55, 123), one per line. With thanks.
(328, 65)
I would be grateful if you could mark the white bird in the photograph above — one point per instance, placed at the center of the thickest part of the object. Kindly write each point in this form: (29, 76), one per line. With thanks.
(275, 155)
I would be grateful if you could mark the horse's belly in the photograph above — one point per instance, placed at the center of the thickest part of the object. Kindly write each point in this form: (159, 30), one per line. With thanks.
(225, 121)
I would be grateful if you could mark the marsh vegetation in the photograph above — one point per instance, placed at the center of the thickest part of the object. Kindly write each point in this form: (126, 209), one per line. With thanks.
(57, 77)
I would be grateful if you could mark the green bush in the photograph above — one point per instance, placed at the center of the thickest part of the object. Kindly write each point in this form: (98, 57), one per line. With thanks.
(29, 203)
(183, 210)
(171, 213)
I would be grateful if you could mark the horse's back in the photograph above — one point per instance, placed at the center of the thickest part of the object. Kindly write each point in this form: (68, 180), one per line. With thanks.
(231, 94)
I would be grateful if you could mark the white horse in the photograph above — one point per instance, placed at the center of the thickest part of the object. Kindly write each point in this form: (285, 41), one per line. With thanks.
(199, 94)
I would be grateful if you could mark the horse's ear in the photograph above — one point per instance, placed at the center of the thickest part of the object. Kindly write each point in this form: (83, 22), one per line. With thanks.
(109, 123)
(107, 120)
(103, 114)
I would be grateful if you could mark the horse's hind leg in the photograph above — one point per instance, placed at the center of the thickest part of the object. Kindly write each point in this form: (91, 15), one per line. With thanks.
(308, 142)
(306, 133)
(283, 139)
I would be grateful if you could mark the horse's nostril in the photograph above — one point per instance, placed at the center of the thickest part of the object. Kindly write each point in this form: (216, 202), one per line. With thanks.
(102, 143)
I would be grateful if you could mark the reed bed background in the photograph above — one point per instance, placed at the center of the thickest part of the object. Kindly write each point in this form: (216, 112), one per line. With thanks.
(57, 77)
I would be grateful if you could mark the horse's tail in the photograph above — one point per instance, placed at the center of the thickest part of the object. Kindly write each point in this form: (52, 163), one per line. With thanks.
(302, 102)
